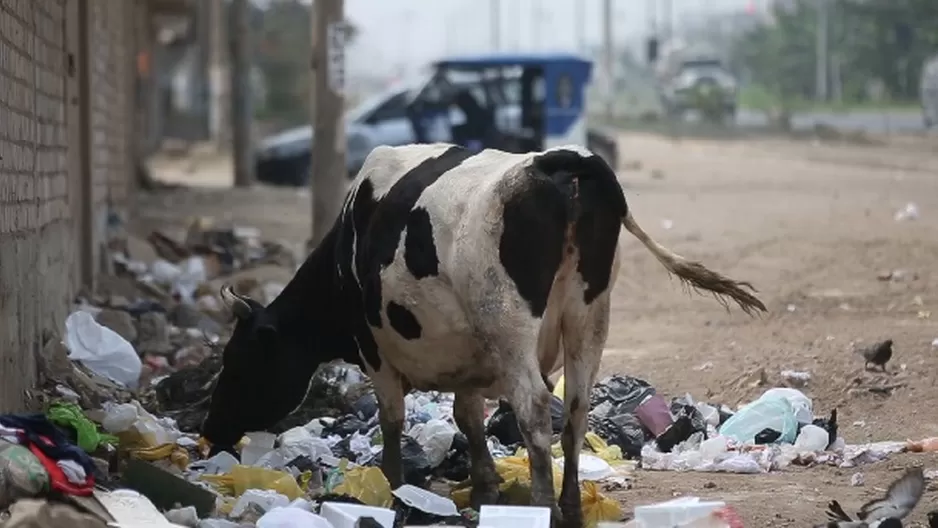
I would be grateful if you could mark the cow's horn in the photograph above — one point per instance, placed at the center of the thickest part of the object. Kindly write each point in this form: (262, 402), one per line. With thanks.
(238, 304)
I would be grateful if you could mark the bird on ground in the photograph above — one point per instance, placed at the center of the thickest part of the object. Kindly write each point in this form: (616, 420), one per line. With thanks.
(878, 354)
(885, 512)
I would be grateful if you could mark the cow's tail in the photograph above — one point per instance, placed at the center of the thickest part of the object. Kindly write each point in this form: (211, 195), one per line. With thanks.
(696, 274)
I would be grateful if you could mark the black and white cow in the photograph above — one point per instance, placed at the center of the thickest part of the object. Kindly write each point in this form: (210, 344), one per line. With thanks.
(446, 270)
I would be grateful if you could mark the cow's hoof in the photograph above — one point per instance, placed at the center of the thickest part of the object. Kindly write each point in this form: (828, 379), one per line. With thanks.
(483, 495)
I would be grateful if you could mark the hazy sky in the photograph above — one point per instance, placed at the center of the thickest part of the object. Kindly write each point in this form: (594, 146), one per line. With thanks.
(411, 33)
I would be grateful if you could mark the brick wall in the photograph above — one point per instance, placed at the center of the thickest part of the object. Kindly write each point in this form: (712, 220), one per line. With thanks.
(40, 170)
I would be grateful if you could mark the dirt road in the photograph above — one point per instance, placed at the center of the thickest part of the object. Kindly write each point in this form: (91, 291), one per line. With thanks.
(811, 226)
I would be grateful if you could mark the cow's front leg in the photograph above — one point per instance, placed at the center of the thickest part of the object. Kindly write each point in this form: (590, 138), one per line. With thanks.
(469, 411)
(389, 389)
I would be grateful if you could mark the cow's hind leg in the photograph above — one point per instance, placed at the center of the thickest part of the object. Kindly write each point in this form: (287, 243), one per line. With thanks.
(584, 329)
(530, 400)
(469, 411)
(389, 389)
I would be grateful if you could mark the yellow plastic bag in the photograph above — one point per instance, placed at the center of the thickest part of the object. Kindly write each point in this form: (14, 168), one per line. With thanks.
(611, 454)
(242, 478)
(367, 484)
(597, 507)
(516, 487)
(516, 490)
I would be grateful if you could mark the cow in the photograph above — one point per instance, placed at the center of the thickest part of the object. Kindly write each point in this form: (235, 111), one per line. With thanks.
(473, 273)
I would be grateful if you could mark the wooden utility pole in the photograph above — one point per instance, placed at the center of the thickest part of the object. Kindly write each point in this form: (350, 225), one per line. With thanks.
(242, 145)
(327, 182)
(608, 57)
(495, 12)
(219, 104)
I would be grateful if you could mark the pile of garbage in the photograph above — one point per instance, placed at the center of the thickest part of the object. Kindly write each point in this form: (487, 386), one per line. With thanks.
(125, 390)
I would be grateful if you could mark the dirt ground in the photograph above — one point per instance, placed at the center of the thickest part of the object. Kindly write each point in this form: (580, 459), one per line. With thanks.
(811, 226)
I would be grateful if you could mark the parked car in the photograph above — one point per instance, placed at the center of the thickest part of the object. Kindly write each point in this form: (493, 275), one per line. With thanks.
(517, 103)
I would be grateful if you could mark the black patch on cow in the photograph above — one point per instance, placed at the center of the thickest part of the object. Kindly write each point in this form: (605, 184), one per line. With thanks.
(419, 248)
(350, 258)
(403, 321)
(389, 220)
(599, 207)
(531, 245)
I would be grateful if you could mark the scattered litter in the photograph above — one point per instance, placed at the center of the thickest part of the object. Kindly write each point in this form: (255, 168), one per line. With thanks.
(796, 378)
(909, 212)
(857, 479)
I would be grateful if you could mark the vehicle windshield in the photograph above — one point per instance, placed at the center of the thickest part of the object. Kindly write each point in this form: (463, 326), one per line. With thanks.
(366, 107)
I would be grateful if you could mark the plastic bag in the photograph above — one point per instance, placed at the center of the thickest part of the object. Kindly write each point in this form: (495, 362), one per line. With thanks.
(265, 499)
(101, 349)
(71, 415)
(436, 438)
(773, 413)
(801, 405)
(621, 389)
(366, 484)
(136, 427)
(242, 478)
(21, 474)
(597, 507)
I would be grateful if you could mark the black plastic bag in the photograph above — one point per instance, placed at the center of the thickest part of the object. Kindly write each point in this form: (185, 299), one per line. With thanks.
(682, 407)
(414, 462)
(767, 436)
(829, 425)
(681, 429)
(623, 392)
(623, 430)
(456, 464)
(503, 424)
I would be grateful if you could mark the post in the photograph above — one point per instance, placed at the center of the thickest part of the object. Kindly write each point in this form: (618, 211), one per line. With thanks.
(580, 22)
(242, 145)
(821, 50)
(218, 74)
(328, 177)
(608, 57)
(496, 24)
(667, 21)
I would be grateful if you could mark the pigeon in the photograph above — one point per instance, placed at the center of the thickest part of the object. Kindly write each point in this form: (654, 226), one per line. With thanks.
(886, 512)
(878, 354)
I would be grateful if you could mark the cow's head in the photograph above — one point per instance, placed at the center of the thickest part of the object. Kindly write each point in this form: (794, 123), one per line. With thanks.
(265, 373)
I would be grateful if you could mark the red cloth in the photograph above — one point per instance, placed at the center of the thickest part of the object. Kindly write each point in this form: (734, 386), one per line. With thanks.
(57, 478)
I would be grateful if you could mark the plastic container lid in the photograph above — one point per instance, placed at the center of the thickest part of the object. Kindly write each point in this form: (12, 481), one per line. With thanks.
(675, 512)
(426, 501)
(514, 517)
(344, 515)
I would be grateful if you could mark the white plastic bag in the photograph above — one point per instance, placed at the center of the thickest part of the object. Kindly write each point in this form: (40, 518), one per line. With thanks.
(299, 442)
(123, 417)
(101, 349)
(436, 438)
(265, 499)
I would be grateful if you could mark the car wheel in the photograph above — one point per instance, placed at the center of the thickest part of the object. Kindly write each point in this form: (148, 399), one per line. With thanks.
(302, 170)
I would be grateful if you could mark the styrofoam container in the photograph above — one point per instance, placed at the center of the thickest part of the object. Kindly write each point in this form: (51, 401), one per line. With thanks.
(426, 501)
(344, 515)
(514, 517)
(675, 512)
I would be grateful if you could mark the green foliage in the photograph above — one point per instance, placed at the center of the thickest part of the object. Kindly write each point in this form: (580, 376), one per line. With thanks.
(285, 51)
(866, 42)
